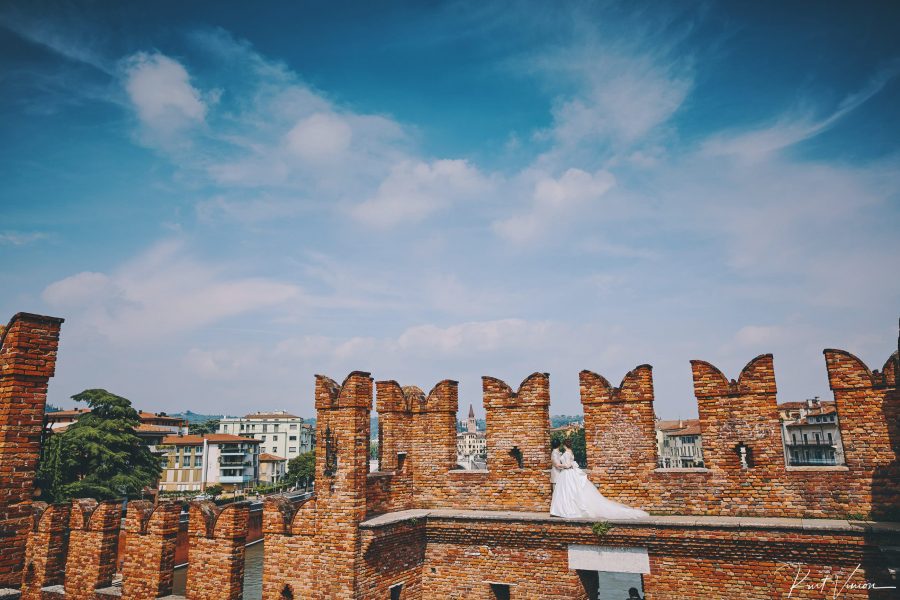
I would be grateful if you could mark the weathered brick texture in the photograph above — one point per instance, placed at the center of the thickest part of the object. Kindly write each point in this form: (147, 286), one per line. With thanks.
(217, 550)
(45, 557)
(622, 453)
(28, 347)
(343, 418)
(149, 562)
(94, 533)
(290, 559)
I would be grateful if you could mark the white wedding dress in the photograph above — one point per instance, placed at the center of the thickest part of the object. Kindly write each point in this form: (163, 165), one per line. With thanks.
(575, 497)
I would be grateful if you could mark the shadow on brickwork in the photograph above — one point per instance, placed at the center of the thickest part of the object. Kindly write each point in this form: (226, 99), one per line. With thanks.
(886, 491)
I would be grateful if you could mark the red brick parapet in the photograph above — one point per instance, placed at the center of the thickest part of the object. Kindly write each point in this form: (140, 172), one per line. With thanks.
(216, 552)
(28, 346)
(149, 563)
(91, 561)
(290, 561)
(45, 557)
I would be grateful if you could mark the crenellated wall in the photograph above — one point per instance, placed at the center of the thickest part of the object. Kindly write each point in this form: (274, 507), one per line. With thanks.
(744, 474)
(218, 536)
(149, 561)
(45, 557)
(743, 413)
(28, 347)
(93, 534)
(439, 531)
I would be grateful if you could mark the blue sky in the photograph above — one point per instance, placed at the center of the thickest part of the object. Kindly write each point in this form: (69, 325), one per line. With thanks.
(224, 200)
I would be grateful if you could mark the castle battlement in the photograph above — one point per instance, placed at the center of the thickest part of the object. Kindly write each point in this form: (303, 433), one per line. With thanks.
(422, 528)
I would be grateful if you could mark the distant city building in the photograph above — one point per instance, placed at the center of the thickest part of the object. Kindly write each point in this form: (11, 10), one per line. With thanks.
(811, 433)
(279, 433)
(471, 445)
(679, 444)
(152, 428)
(194, 462)
(568, 430)
(271, 468)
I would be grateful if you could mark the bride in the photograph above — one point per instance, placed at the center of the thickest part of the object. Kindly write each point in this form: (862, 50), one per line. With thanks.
(575, 497)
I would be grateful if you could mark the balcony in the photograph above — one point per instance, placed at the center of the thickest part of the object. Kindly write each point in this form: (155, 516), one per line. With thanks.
(810, 444)
(235, 479)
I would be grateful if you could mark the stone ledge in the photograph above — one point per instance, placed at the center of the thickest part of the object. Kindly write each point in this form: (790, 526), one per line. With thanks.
(681, 470)
(822, 469)
(690, 521)
(9, 594)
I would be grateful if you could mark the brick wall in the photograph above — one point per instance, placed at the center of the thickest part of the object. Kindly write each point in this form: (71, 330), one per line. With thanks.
(216, 553)
(45, 556)
(289, 561)
(149, 558)
(688, 560)
(343, 417)
(622, 453)
(93, 535)
(28, 347)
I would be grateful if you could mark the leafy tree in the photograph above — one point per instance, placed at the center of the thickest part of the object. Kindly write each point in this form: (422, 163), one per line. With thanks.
(214, 490)
(301, 468)
(99, 455)
(204, 427)
(576, 442)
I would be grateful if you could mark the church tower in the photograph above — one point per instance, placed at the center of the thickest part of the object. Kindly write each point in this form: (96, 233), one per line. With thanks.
(470, 422)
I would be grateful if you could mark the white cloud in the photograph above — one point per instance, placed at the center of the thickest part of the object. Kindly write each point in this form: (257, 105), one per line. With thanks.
(555, 200)
(415, 190)
(161, 293)
(161, 92)
(476, 336)
(319, 137)
(21, 238)
(759, 144)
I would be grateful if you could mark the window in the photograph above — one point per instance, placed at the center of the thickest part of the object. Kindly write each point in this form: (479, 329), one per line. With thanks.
(805, 438)
(817, 438)
(198, 461)
(395, 591)
(292, 449)
(294, 426)
(292, 438)
(263, 438)
(794, 437)
(274, 438)
(500, 590)
(265, 427)
(830, 441)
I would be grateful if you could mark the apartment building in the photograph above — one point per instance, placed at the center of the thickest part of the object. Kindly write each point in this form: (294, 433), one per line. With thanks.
(811, 433)
(194, 462)
(679, 444)
(279, 433)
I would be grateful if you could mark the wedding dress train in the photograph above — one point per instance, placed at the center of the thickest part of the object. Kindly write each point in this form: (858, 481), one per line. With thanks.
(575, 497)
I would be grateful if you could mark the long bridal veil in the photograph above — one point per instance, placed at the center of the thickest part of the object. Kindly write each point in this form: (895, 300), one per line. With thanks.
(576, 497)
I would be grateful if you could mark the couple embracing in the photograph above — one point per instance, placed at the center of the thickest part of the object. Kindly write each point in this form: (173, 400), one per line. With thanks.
(575, 497)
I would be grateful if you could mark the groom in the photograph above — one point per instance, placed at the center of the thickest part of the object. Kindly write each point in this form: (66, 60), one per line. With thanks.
(559, 447)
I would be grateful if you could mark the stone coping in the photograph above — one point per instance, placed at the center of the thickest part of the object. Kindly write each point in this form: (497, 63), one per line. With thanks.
(690, 521)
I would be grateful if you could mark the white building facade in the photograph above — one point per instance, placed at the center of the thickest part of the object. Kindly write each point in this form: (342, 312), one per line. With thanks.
(471, 445)
(279, 433)
(194, 462)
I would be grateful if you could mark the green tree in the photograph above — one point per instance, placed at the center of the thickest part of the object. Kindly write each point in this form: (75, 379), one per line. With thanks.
(301, 468)
(100, 455)
(214, 490)
(576, 442)
(204, 427)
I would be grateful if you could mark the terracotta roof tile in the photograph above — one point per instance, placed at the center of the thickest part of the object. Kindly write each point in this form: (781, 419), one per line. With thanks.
(270, 458)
